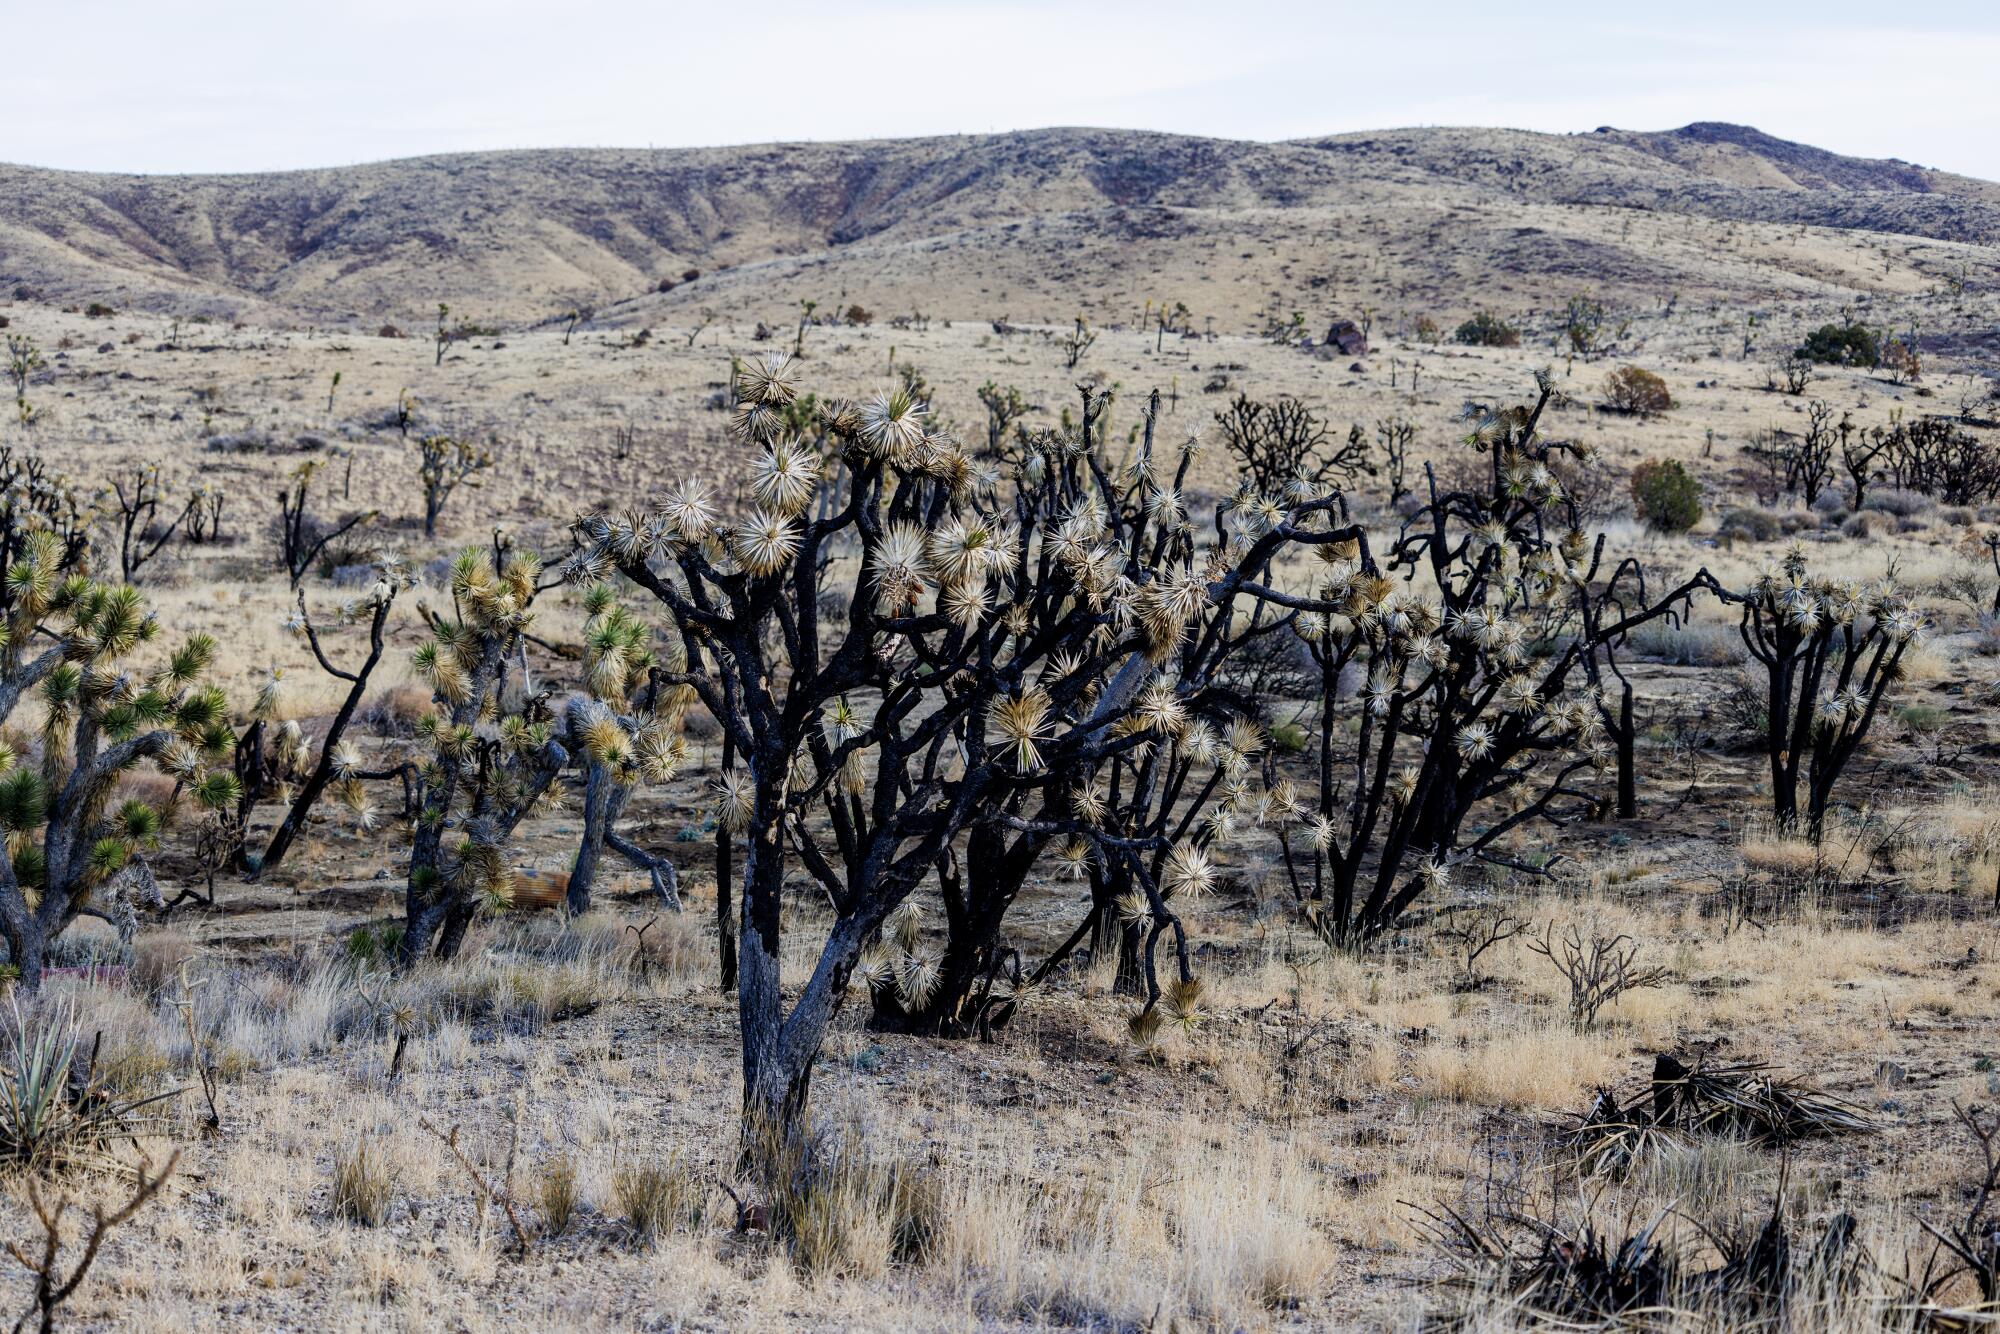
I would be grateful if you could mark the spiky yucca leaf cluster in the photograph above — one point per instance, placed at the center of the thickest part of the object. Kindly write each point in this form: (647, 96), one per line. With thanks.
(901, 965)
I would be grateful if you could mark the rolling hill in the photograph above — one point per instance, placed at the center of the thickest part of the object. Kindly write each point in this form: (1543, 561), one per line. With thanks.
(1033, 225)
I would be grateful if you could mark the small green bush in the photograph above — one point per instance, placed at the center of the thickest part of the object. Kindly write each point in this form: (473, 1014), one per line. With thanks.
(1848, 344)
(1487, 330)
(1666, 496)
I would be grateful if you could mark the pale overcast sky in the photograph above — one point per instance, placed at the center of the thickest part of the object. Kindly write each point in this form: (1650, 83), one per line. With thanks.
(222, 85)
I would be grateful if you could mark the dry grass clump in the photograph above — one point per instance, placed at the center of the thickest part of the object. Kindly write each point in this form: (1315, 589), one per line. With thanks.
(557, 1194)
(655, 1198)
(364, 1189)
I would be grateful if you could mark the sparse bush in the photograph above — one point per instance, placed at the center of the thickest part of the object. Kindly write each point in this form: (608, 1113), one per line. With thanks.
(1898, 502)
(1599, 969)
(1637, 392)
(1486, 329)
(1751, 525)
(1666, 496)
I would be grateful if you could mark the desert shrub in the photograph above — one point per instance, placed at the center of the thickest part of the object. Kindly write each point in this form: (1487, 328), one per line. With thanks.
(1486, 329)
(1637, 391)
(1849, 344)
(1666, 496)
(1751, 525)
(1858, 527)
(1902, 504)
(1687, 643)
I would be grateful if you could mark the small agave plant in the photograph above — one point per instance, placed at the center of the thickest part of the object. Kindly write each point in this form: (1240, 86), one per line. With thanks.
(54, 1115)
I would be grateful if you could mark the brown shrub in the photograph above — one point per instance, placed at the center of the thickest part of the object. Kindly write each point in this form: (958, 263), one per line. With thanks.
(1637, 391)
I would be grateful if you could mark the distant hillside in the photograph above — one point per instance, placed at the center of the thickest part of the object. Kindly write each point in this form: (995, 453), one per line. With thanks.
(1036, 225)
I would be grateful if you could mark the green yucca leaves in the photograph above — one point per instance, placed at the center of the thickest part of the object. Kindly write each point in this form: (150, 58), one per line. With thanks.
(191, 659)
(71, 594)
(62, 687)
(108, 857)
(217, 740)
(216, 790)
(23, 803)
(46, 1122)
(200, 710)
(119, 621)
(139, 822)
(31, 868)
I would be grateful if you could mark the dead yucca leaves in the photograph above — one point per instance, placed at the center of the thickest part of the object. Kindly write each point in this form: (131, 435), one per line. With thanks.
(1741, 1102)
(1514, 1268)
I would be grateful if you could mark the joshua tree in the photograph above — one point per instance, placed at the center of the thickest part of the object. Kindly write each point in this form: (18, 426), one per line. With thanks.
(1798, 373)
(492, 758)
(204, 514)
(1130, 822)
(1285, 444)
(442, 338)
(618, 750)
(806, 309)
(332, 388)
(338, 763)
(34, 500)
(1830, 650)
(1077, 342)
(1858, 452)
(1395, 435)
(23, 360)
(102, 717)
(988, 649)
(1004, 408)
(1458, 735)
(702, 320)
(140, 534)
(301, 539)
(1584, 318)
(443, 463)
